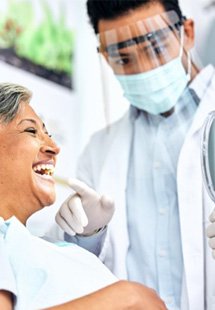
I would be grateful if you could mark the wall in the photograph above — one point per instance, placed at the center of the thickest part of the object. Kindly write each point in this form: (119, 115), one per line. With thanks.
(75, 115)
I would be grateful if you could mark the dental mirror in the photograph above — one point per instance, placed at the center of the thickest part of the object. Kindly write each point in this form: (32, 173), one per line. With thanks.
(208, 155)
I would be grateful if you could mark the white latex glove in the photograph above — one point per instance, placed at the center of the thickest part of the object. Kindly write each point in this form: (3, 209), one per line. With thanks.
(211, 233)
(84, 212)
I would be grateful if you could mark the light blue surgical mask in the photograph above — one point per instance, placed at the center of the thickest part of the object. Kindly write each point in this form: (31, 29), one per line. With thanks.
(157, 91)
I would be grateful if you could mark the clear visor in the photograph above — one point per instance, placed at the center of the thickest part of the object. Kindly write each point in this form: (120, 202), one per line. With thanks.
(143, 45)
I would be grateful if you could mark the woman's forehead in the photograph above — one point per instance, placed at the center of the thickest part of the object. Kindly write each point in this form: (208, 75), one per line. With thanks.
(27, 112)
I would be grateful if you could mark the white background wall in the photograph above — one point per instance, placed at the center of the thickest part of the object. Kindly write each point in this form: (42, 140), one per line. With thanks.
(72, 116)
(204, 18)
(59, 108)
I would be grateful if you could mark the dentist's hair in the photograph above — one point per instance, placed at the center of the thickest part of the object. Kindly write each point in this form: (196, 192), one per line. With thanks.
(11, 95)
(110, 9)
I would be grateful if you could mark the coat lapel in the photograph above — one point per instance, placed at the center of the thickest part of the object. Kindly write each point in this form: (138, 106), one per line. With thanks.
(113, 182)
(191, 206)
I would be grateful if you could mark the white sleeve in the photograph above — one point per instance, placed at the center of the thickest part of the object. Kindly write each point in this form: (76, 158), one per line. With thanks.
(92, 243)
(7, 279)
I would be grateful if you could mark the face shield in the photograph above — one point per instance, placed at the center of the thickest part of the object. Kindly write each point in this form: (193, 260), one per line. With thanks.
(146, 58)
(143, 45)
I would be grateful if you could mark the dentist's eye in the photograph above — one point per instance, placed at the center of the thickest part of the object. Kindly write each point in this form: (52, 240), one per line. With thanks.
(122, 61)
(159, 50)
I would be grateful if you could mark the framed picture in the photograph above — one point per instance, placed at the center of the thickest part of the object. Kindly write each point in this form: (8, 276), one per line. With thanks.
(41, 43)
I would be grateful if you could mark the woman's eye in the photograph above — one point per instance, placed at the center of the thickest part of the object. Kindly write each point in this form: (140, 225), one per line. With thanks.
(48, 134)
(31, 130)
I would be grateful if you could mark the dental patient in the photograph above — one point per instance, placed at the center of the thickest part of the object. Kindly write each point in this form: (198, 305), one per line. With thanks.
(34, 273)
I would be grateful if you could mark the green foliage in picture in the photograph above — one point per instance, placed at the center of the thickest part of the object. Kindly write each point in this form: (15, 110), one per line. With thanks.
(48, 43)
(13, 22)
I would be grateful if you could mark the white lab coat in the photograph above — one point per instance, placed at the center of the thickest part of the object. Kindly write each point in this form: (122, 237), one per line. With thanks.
(104, 166)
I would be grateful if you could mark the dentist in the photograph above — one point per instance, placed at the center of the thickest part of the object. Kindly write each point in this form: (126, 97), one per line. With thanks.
(149, 161)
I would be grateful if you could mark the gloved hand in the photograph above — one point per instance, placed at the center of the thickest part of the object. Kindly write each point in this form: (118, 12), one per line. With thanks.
(211, 233)
(84, 212)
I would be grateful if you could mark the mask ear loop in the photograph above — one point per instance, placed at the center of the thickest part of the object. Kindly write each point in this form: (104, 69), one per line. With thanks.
(189, 63)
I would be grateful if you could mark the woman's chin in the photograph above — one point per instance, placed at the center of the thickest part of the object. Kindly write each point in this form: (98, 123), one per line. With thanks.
(49, 199)
(45, 190)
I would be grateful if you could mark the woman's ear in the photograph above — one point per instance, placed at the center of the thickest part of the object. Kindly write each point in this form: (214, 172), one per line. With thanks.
(189, 34)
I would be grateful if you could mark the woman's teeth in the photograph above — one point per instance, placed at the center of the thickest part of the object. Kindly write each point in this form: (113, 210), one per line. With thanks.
(44, 169)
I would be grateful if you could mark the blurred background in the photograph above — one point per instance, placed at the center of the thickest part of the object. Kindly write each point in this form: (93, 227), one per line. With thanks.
(50, 47)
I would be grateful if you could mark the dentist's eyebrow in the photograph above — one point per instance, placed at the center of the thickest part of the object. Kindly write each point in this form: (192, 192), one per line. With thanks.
(118, 54)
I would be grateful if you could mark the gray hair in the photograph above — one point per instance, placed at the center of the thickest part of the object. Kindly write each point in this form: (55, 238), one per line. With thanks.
(11, 95)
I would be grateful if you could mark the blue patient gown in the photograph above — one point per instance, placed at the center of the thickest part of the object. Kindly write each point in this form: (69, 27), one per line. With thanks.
(41, 274)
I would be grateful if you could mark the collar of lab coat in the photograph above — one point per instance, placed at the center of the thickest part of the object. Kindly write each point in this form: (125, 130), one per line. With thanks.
(204, 86)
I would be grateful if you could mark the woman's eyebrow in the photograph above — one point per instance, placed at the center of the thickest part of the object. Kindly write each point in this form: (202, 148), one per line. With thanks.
(27, 120)
(33, 121)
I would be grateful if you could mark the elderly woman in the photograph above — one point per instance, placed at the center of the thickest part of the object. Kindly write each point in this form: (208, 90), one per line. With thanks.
(36, 274)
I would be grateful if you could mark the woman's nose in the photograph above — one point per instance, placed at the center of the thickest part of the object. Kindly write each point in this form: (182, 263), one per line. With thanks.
(50, 148)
